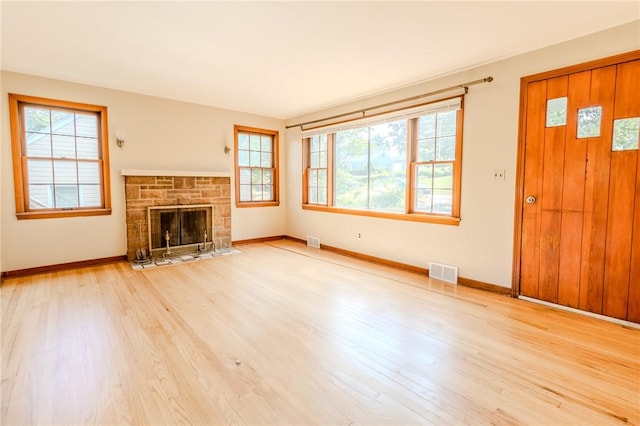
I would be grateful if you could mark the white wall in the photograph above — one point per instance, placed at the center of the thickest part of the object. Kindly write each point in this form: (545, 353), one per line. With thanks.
(160, 134)
(482, 246)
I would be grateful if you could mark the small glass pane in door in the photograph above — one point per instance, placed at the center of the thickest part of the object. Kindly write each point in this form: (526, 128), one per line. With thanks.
(625, 134)
(589, 120)
(556, 112)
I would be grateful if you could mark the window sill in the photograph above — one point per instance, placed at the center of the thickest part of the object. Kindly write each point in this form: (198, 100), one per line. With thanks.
(412, 217)
(54, 214)
(258, 204)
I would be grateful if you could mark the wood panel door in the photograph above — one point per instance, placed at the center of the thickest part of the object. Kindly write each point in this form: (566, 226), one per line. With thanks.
(578, 204)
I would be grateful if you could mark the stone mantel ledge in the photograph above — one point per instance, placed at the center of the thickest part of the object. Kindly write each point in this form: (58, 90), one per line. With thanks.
(174, 173)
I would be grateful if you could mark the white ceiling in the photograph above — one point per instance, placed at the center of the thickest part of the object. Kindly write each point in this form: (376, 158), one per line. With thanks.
(282, 59)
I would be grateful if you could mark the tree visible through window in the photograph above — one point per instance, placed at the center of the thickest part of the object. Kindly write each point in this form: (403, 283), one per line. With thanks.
(370, 167)
(60, 152)
(400, 167)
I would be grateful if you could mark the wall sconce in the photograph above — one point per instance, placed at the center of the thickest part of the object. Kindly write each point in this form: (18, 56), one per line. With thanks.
(119, 140)
(227, 150)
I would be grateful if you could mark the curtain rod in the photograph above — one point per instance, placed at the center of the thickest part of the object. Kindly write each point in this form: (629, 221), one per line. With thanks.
(464, 86)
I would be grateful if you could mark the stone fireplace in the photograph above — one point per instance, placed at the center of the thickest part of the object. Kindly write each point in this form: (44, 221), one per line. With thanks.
(176, 190)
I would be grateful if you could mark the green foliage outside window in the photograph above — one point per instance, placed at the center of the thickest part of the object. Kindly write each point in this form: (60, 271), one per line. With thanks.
(370, 167)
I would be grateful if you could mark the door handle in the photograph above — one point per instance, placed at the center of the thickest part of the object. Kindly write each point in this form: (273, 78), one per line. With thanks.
(530, 199)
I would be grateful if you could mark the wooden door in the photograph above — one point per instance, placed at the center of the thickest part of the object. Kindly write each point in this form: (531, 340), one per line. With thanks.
(578, 204)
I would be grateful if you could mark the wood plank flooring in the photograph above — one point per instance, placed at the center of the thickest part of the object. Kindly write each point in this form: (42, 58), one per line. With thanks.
(281, 334)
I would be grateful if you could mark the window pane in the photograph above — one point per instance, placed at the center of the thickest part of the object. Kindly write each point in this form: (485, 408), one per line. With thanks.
(62, 123)
(243, 158)
(245, 192)
(90, 196)
(387, 179)
(40, 197)
(37, 119)
(425, 182)
(322, 142)
(589, 122)
(424, 176)
(443, 176)
(423, 200)
(87, 148)
(64, 146)
(87, 125)
(427, 126)
(313, 196)
(387, 193)
(256, 192)
(322, 178)
(322, 161)
(625, 134)
(351, 168)
(40, 171)
(265, 159)
(243, 141)
(446, 148)
(88, 173)
(446, 123)
(556, 112)
(315, 160)
(245, 176)
(254, 160)
(66, 196)
(442, 201)
(65, 172)
(254, 142)
(426, 150)
(267, 192)
(256, 176)
(322, 195)
(265, 143)
(38, 145)
(315, 143)
(371, 167)
(313, 178)
(267, 175)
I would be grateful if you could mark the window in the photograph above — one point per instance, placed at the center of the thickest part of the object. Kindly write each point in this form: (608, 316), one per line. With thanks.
(60, 158)
(404, 165)
(435, 161)
(626, 132)
(256, 152)
(317, 172)
(370, 167)
(557, 112)
(589, 121)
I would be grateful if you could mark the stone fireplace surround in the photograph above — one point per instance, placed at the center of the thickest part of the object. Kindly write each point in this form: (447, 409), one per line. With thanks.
(165, 188)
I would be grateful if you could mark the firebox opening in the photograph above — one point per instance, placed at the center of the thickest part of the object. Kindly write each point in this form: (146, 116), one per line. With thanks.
(185, 226)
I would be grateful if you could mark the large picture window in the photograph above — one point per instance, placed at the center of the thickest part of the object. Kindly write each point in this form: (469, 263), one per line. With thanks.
(60, 158)
(256, 153)
(370, 167)
(405, 165)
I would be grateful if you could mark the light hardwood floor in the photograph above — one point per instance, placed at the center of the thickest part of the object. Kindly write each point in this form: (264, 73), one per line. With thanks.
(285, 335)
